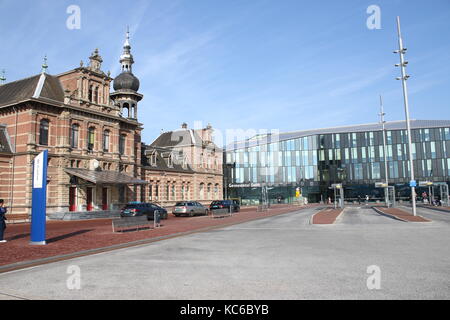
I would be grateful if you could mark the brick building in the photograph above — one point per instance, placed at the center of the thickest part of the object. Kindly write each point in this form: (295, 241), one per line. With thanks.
(183, 164)
(96, 161)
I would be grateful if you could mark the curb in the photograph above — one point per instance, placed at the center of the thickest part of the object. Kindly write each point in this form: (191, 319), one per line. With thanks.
(388, 215)
(339, 215)
(68, 256)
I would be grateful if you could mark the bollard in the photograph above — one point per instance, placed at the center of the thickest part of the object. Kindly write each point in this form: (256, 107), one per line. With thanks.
(156, 219)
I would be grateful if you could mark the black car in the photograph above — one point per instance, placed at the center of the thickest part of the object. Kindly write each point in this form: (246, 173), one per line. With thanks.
(225, 204)
(135, 209)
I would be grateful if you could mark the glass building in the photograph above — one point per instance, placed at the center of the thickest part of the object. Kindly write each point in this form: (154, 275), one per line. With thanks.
(311, 161)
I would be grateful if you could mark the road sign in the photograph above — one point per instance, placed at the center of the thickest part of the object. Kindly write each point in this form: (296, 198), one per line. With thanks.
(413, 183)
(381, 185)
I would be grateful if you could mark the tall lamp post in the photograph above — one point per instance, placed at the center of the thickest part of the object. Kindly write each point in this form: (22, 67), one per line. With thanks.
(382, 114)
(401, 51)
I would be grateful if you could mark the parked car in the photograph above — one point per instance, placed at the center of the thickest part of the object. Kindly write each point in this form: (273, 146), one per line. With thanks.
(189, 208)
(225, 204)
(135, 209)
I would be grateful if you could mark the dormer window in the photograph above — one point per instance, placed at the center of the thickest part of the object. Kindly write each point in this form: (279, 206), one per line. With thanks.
(170, 161)
(153, 158)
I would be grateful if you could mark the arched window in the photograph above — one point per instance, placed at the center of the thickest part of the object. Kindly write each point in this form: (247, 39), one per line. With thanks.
(91, 138)
(209, 191)
(202, 191)
(74, 136)
(126, 107)
(43, 132)
(133, 111)
(106, 141)
(216, 191)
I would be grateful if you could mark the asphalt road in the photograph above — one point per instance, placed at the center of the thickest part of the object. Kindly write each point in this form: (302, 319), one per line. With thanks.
(282, 257)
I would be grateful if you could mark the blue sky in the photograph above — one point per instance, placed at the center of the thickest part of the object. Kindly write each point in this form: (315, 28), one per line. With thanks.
(261, 64)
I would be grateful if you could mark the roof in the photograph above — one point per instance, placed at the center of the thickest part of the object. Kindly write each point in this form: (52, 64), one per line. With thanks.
(392, 125)
(177, 138)
(104, 177)
(42, 87)
(5, 143)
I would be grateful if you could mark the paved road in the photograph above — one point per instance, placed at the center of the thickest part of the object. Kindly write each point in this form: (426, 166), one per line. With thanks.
(363, 215)
(439, 217)
(282, 257)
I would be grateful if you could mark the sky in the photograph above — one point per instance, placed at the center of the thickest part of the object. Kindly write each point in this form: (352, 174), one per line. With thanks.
(282, 65)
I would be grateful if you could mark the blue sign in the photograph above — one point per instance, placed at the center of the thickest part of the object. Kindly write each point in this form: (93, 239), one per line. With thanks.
(413, 183)
(39, 199)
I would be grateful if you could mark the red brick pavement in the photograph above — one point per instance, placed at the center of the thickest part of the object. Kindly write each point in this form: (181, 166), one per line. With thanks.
(402, 215)
(67, 237)
(327, 216)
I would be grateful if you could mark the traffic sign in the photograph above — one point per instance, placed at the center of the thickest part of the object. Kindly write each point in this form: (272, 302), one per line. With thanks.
(381, 185)
(413, 183)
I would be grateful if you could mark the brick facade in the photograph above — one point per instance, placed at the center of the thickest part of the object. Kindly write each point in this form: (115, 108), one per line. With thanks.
(74, 116)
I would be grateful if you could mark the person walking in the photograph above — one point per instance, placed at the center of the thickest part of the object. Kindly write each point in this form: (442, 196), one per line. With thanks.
(3, 219)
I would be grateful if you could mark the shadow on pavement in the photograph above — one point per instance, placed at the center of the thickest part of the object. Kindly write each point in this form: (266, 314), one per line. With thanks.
(68, 235)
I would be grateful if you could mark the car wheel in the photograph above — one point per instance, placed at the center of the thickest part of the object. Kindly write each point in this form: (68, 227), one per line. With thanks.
(191, 214)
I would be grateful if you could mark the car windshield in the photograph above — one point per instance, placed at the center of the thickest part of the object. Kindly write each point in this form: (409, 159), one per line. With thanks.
(217, 202)
(131, 206)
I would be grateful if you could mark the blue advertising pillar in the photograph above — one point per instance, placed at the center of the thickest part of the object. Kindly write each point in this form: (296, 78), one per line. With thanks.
(39, 199)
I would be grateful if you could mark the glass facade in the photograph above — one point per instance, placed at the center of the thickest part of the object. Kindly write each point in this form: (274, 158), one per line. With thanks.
(355, 159)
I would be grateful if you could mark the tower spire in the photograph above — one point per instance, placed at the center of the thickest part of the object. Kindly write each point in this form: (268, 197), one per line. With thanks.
(44, 65)
(2, 78)
(126, 59)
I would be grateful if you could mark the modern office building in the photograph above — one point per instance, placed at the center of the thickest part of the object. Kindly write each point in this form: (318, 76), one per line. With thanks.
(311, 161)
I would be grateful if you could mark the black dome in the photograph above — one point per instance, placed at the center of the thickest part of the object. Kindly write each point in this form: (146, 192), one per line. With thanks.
(126, 80)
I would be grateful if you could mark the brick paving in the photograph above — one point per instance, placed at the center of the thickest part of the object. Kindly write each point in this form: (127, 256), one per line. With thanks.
(67, 237)
(326, 216)
(402, 215)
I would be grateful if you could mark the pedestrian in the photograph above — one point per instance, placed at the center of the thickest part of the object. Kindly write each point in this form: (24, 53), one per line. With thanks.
(3, 219)
(359, 199)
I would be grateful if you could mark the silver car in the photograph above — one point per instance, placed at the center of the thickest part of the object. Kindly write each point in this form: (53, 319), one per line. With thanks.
(189, 208)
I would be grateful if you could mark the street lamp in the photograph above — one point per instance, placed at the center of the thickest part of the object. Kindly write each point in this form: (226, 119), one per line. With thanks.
(382, 114)
(401, 51)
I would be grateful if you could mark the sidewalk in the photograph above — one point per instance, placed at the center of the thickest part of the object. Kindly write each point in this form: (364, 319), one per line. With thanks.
(400, 214)
(327, 216)
(69, 237)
